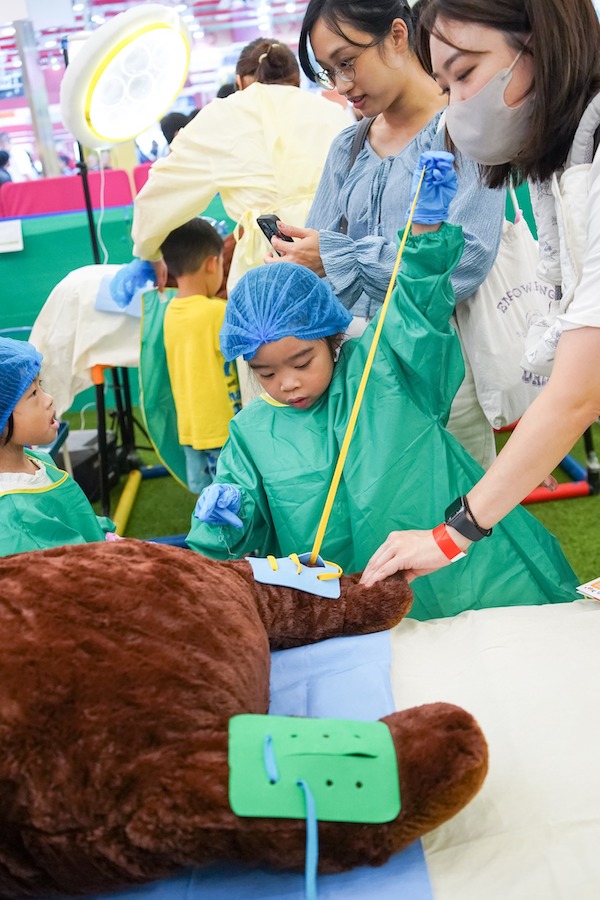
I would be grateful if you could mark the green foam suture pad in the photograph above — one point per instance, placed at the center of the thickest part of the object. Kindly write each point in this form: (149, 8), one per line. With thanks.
(350, 768)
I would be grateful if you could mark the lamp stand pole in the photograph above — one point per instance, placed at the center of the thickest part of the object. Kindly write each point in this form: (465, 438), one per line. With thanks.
(85, 181)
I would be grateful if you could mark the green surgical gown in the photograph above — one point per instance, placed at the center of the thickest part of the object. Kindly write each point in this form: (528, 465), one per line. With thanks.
(156, 397)
(40, 518)
(403, 467)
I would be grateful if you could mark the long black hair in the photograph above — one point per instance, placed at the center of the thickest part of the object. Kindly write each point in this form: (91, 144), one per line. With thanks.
(374, 17)
(564, 43)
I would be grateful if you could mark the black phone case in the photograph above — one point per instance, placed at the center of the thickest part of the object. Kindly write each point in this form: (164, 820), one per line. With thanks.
(268, 226)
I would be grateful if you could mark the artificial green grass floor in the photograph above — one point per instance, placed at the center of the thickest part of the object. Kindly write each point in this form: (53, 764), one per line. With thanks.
(575, 522)
(163, 507)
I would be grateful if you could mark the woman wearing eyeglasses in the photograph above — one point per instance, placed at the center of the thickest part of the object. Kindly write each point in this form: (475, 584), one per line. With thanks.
(365, 48)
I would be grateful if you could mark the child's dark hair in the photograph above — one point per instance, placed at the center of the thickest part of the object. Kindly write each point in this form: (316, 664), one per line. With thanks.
(187, 247)
(334, 342)
(270, 62)
(10, 427)
(171, 124)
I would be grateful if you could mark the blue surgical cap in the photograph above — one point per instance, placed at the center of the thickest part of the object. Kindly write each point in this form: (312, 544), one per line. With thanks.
(275, 301)
(129, 280)
(19, 367)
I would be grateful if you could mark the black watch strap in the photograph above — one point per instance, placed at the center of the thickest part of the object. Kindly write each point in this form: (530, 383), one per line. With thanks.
(459, 516)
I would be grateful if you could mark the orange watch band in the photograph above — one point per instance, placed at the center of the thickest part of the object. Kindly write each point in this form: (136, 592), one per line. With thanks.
(450, 550)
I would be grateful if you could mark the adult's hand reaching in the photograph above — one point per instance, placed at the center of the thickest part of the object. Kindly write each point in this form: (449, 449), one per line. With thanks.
(304, 250)
(413, 552)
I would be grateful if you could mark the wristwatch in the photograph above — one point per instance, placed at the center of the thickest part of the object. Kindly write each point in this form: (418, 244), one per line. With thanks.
(459, 516)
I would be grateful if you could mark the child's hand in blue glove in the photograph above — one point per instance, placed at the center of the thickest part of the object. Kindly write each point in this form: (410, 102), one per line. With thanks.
(437, 190)
(218, 505)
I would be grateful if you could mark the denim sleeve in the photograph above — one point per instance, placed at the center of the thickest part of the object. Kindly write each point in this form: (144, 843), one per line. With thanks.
(480, 212)
(374, 196)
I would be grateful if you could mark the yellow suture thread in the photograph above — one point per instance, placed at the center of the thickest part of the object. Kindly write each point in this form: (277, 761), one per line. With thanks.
(329, 576)
(297, 563)
(335, 481)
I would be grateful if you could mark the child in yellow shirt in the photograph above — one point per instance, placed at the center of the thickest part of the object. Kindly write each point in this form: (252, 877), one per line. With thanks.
(204, 386)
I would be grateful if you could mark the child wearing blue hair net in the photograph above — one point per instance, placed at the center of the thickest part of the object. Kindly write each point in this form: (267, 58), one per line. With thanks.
(40, 505)
(403, 466)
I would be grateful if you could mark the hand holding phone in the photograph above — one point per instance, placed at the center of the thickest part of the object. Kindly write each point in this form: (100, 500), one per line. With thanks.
(268, 226)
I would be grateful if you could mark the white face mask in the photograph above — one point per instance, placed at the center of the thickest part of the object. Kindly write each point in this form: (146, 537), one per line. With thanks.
(484, 128)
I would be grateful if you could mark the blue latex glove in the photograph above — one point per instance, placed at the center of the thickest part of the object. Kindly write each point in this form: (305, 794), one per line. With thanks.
(218, 505)
(130, 279)
(437, 190)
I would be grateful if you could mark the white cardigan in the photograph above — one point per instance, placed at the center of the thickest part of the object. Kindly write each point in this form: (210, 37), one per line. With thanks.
(567, 213)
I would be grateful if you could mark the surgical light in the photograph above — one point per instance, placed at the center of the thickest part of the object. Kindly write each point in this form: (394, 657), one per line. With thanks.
(126, 76)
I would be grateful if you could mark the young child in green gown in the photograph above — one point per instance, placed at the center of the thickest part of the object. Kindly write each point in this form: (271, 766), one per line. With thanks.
(40, 505)
(403, 466)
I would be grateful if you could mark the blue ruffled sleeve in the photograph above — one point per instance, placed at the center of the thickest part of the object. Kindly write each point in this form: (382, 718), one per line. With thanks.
(373, 196)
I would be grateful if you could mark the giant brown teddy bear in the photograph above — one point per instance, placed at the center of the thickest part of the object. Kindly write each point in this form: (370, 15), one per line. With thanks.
(120, 666)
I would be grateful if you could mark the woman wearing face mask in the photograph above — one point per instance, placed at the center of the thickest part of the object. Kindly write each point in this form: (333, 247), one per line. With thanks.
(365, 48)
(519, 76)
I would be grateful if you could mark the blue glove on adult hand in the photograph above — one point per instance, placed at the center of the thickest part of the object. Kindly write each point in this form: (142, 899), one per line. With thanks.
(437, 190)
(218, 505)
(130, 279)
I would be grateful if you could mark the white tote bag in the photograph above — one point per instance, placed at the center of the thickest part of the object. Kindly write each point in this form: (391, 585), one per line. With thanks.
(493, 324)
(571, 192)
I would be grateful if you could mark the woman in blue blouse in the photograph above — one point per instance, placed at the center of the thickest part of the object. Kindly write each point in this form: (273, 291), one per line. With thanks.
(365, 49)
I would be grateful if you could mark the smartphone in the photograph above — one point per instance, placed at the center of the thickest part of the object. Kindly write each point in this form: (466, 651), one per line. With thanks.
(268, 226)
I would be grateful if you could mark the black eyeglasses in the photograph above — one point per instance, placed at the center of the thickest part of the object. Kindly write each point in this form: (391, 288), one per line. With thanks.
(346, 72)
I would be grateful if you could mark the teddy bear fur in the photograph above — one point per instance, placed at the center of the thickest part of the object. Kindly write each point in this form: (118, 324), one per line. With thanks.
(120, 667)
